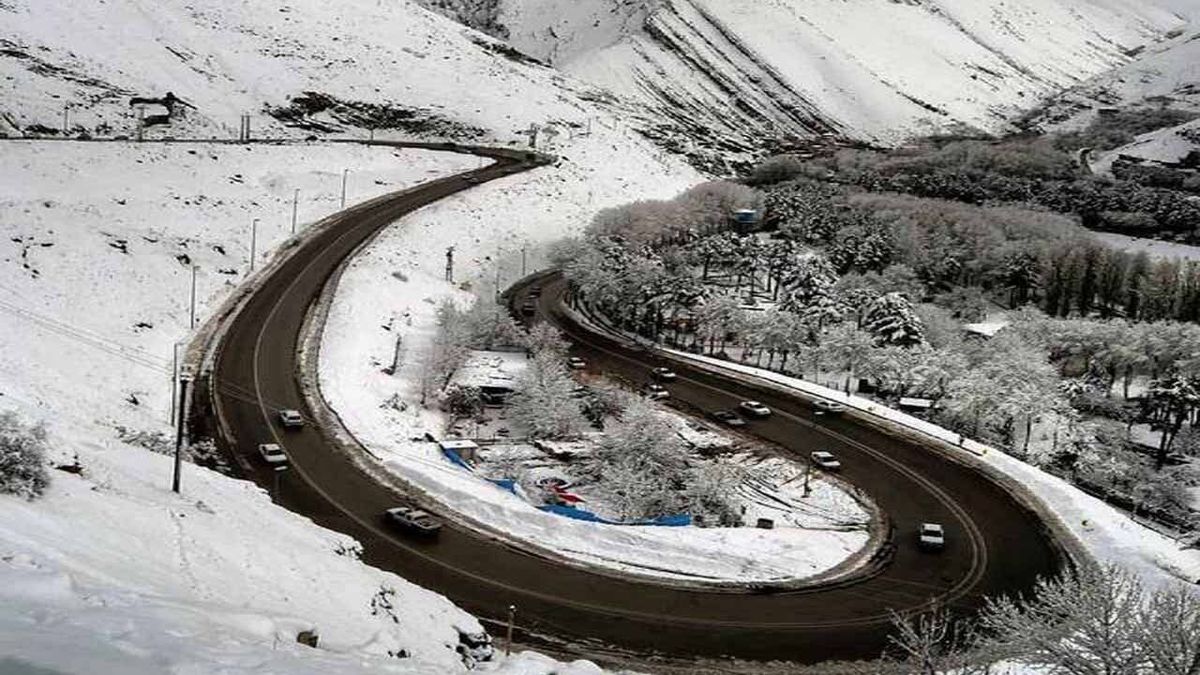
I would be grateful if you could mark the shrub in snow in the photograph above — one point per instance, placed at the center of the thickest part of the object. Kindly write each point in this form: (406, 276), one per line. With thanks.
(22, 458)
(776, 169)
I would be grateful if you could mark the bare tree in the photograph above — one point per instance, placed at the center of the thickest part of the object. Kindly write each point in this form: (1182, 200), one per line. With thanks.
(934, 642)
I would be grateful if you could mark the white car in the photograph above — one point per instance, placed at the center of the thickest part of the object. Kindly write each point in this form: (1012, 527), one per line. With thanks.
(931, 537)
(291, 418)
(831, 407)
(656, 392)
(825, 460)
(272, 453)
(576, 363)
(754, 409)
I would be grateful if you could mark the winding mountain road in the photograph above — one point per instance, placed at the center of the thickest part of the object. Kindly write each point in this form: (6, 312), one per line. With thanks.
(995, 544)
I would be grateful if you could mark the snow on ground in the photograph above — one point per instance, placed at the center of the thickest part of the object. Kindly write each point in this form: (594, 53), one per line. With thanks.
(111, 572)
(1170, 144)
(495, 221)
(1165, 72)
(1154, 248)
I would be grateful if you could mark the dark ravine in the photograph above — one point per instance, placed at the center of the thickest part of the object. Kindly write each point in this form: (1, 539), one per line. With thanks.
(997, 546)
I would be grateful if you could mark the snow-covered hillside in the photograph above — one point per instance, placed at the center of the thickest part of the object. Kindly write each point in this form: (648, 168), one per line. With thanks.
(95, 280)
(875, 69)
(111, 572)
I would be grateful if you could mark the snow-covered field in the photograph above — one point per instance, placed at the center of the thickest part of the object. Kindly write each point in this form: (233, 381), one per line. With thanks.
(111, 572)
(1164, 250)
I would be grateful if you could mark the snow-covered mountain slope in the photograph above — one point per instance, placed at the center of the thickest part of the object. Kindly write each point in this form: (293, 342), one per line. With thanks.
(1164, 74)
(387, 65)
(876, 69)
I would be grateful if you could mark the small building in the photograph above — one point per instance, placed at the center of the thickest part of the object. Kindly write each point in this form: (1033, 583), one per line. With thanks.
(464, 450)
(915, 403)
(494, 373)
(985, 329)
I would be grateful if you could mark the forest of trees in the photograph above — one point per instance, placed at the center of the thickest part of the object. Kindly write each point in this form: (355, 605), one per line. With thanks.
(1038, 171)
(876, 287)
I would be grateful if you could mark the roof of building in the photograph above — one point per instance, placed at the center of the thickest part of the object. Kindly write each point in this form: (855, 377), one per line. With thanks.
(986, 328)
(491, 370)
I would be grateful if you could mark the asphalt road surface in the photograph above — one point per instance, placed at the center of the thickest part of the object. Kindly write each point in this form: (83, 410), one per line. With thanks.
(995, 545)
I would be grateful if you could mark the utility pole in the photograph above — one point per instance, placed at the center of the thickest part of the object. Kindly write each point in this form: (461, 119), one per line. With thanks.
(174, 378)
(512, 618)
(141, 124)
(523, 249)
(345, 173)
(192, 313)
(253, 242)
(295, 207)
(66, 118)
(184, 379)
(395, 367)
(450, 264)
(497, 278)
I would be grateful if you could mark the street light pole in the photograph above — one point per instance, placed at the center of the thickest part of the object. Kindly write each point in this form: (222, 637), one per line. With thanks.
(295, 208)
(192, 313)
(253, 243)
(181, 416)
(512, 617)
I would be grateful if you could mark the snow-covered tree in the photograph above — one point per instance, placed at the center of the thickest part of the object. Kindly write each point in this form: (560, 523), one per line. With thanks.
(542, 402)
(893, 320)
(22, 458)
(545, 338)
(712, 492)
(1100, 621)
(1170, 631)
(843, 348)
(806, 278)
(641, 462)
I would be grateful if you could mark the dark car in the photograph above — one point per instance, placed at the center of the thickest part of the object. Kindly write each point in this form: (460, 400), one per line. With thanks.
(664, 375)
(528, 308)
(414, 521)
(535, 292)
(728, 418)
(655, 392)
